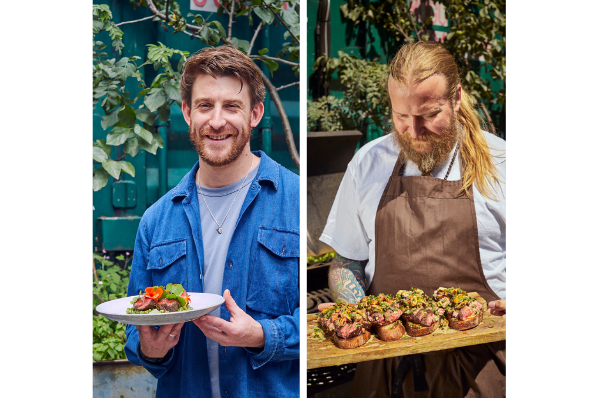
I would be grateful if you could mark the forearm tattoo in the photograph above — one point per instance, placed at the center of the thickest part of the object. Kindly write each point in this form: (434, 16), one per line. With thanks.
(347, 280)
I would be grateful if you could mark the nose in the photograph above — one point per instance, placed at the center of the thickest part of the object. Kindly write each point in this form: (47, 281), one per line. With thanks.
(217, 120)
(416, 127)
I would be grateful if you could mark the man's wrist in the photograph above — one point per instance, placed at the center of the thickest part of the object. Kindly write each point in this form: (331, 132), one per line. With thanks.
(156, 360)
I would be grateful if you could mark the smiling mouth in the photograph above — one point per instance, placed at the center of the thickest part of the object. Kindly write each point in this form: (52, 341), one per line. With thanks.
(219, 137)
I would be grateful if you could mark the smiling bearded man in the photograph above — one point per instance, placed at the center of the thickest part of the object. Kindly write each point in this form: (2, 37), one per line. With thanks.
(197, 136)
(230, 228)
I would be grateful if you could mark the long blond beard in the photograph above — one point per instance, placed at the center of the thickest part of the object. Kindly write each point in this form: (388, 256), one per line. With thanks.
(441, 147)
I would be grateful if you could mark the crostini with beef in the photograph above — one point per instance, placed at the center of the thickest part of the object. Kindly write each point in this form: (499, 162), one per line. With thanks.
(383, 312)
(421, 314)
(347, 322)
(462, 311)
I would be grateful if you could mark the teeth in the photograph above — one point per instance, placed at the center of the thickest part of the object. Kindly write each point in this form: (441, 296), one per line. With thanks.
(218, 137)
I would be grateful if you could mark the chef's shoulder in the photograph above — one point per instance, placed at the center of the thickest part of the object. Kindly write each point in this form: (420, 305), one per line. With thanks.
(377, 154)
(496, 146)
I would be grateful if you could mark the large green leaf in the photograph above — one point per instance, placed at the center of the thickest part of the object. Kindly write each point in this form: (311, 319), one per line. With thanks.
(131, 147)
(109, 120)
(164, 112)
(102, 144)
(145, 145)
(155, 99)
(127, 116)
(100, 155)
(219, 26)
(290, 17)
(158, 139)
(265, 14)
(242, 44)
(205, 33)
(100, 178)
(143, 133)
(172, 90)
(127, 168)
(113, 168)
(118, 136)
(146, 116)
(271, 65)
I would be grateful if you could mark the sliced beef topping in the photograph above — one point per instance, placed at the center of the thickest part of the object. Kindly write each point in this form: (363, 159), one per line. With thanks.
(144, 303)
(383, 318)
(351, 330)
(464, 313)
(170, 305)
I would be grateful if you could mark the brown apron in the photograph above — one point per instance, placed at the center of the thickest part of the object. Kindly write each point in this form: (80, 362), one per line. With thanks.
(427, 237)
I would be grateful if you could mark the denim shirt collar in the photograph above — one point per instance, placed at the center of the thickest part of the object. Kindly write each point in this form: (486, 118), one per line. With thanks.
(267, 171)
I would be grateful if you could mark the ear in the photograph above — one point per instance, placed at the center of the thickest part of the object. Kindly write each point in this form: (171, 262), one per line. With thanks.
(458, 100)
(186, 112)
(257, 114)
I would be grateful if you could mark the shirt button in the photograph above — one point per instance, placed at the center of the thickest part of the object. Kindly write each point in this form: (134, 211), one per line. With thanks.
(227, 393)
(253, 187)
(225, 350)
(200, 276)
(160, 260)
(230, 263)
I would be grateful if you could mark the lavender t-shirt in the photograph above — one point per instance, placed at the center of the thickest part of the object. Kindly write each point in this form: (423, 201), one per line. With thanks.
(216, 246)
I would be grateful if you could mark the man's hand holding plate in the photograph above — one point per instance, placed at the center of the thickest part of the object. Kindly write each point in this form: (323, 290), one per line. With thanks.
(241, 331)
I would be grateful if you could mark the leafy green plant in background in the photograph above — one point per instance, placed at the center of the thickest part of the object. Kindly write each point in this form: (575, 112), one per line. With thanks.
(130, 121)
(476, 39)
(364, 100)
(110, 283)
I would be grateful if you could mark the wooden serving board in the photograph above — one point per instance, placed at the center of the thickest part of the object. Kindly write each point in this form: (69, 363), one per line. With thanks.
(323, 352)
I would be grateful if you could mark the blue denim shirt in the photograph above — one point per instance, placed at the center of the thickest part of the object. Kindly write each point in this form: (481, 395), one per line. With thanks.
(261, 271)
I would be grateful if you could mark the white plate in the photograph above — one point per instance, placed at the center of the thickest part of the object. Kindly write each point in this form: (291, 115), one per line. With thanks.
(202, 304)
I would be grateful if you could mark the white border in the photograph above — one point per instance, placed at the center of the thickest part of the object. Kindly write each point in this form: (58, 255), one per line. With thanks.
(303, 188)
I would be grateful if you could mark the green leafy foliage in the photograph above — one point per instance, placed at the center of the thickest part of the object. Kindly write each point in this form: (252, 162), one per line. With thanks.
(364, 101)
(109, 283)
(476, 38)
(121, 113)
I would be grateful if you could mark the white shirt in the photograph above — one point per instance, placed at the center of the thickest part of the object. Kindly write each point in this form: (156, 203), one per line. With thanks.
(350, 226)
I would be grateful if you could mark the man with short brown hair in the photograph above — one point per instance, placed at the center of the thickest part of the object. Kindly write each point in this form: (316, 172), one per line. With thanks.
(231, 227)
(424, 207)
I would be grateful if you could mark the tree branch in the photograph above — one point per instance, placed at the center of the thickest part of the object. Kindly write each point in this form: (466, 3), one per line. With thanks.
(283, 115)
(137, 20)
(231, 21)
(190, 34)
(157, 13)
(282, 22)
(288, 85)
(255, 36)
(414, 24)
(398, 27)
(488, 117)
(283, 61)
(95, 272)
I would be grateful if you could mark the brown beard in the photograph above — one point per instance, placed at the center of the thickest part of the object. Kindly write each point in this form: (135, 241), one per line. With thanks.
(427, 161)
(240, 141)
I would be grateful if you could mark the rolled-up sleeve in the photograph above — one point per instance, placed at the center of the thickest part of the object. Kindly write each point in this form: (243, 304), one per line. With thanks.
(344, 230)
(139, 280)
(281, 337)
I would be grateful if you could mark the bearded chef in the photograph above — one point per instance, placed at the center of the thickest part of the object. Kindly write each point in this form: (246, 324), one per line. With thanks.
(424, 207)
